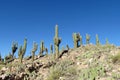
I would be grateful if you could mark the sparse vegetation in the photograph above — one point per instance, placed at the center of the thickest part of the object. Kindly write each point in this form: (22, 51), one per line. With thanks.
(116, 58)
(87, 38)
(61, 70)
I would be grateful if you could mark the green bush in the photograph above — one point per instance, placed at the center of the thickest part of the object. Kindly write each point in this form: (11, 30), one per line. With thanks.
(62, 69)
(116, 58)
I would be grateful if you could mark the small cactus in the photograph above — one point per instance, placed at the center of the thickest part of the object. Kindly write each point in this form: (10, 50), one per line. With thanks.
(67, 47)
(35, 46)
(57, 42)
(107, 42)
(46, 50)
(97, 40)
(76, 39)
(87, 39)
(42, 48)
(63, 48)
(51, 48)
(8, 58)
(81, 41)
(14, 48)
(22, 50)
(0, 57)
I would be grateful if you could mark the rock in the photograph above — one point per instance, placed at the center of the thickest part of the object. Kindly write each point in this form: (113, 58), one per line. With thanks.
(49, 64)
(90, 60)
(30, 68)
(38, 65)
(61, 78)
(7, 77)
(2, 72)
(4, 69)
(78, 63)
(22, 75)
(3, 76)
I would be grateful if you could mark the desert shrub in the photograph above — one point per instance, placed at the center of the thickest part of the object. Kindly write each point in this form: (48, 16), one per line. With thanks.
(116, 76)
(93, 72)
(116, 58)
(62, 69)
(1, 66)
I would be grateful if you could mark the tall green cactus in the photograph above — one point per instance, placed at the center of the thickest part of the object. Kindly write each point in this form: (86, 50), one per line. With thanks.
(87, 39)
(76, 39)
(80, 40)
(22, 50)
(97, 40)
(42, 48)
(35, 46)
(14, 48)
(46, 50)
(20, 53)
(51, 48)
(0, 57)
(107, 42)
(57, 42)
(67, 47)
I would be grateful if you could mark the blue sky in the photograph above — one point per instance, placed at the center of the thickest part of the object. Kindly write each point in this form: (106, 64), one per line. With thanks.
(36, 19)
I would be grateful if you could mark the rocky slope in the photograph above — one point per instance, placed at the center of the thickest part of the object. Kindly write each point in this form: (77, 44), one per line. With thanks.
(88, 62)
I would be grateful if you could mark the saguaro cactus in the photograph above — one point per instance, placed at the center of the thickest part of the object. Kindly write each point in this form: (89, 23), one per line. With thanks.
(42, 48)
(81, 40)
(35, 46)
(57, 42)
(14, 48)
(22, 50)
(46, 51)
(76, 39)
(51, 48)
(87, 39)
(107, 42)
(0, 57)
(67, 47)
(97, 40)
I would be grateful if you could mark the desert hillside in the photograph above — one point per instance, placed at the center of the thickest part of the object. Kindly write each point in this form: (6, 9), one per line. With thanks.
(89, 62)
(83, 62)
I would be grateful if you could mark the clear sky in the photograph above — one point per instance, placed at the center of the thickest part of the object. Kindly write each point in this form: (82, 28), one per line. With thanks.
(36, 19)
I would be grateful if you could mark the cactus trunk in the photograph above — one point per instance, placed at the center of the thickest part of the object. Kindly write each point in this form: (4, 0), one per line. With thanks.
(22, 50)
(57, 42)
(51, 49)
(97, 40)
(76, 39)
(42, 48)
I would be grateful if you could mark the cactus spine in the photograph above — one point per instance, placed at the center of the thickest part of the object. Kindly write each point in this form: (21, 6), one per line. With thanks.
(76, 39)
(35, 46)
(57, 42)
(97, 40)
(22, 50)
(42, 48)
(87, 39)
